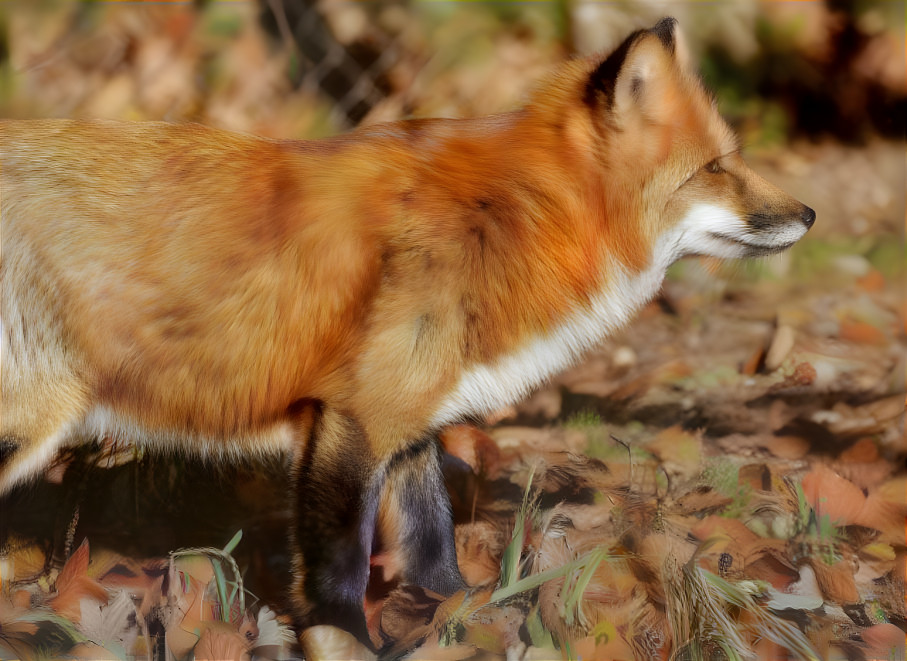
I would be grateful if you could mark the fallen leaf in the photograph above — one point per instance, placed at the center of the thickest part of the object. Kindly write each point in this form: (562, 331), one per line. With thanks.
(679, 450)
(217, 644)
(73, 585)
(407, 614)
(830, 494)
(473, 446)
(327, 642)
(863, 451)
(755, 476)
(702, 500)
(787, 447)
(836, 581)
(861, 333)
(479, 548)
(884, 640)
(872, 281)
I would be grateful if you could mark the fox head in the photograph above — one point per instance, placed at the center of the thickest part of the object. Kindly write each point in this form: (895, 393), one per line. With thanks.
(669, 162)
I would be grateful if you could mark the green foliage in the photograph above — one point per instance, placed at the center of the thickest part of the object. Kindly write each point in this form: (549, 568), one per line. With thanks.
(511, 567)
(819, 533)
(583, 420)
(230, 593)
(723, 476)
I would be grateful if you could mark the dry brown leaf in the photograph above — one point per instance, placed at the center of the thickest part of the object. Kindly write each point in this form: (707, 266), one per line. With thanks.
(830, 494)
(21, 599)
(701, 500)
(479, 548)
(638, 386)
(473, 446)
(754, 362)
(74, 584)
(407, 615)
(181, 638)
(865, 475)
(861, 333)
(221, 644)
(872, 281)
(680, 451)
(767, 560)
(885, 510)
(755, 476)
(327, 642)
(495, 629)
(729, 534)
(863, 451)
(836, 581)
(885, 641)
(787, 447)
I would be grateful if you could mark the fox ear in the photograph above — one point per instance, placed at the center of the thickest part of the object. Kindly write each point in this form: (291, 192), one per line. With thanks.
(636, 76)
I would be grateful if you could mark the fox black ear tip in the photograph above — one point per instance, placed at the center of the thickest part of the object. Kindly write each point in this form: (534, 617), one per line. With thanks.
(664, 30)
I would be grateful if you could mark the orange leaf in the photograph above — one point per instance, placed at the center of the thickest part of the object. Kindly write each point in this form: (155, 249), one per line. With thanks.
(836, 581)
(473, 446)
(861, 332)
(873, 281)
(73, 584)
(885, 641)
(863, 451)
(829, 493)
(217, 644)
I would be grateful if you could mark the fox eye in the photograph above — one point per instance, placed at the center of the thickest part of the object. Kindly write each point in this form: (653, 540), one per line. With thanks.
(713, 167)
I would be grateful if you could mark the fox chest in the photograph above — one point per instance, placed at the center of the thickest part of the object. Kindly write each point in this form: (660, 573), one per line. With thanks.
(484, 388)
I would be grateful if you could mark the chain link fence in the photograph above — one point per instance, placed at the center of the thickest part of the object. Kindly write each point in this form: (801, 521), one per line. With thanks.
(338, 51)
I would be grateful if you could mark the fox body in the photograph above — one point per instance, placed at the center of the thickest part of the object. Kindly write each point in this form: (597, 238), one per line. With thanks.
(344, 299)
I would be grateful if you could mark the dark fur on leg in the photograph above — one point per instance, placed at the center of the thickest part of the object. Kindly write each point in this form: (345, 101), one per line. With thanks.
(418, 501)
(335, 523)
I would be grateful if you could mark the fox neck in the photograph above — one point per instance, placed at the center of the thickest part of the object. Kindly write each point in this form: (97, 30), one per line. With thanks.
(491, 386)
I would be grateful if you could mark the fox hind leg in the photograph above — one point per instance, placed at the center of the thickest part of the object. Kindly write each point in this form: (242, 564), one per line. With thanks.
(415, 508)
(343, 496)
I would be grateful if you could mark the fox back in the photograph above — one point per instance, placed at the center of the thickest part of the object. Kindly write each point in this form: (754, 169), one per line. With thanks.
(344, 299)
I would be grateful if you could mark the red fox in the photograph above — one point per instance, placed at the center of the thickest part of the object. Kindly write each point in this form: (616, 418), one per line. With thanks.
(343, 300)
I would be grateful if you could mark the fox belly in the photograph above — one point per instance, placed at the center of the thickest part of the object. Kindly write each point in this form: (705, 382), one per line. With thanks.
(343, 300)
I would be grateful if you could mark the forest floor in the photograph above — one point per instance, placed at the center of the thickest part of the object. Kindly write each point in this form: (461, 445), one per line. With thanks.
(725, 476)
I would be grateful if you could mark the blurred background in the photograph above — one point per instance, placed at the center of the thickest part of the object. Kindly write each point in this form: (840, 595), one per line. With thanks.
(301, 68)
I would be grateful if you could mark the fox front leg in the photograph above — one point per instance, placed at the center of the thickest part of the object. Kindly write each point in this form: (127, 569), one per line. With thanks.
(335, 523)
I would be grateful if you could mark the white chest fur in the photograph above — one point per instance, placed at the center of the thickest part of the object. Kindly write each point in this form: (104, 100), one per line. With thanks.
(485, 388)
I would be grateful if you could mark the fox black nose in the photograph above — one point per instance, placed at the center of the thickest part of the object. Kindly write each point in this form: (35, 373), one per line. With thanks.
(808, 216)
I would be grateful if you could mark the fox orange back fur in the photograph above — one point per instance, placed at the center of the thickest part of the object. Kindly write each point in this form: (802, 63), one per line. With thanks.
(345, 299)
